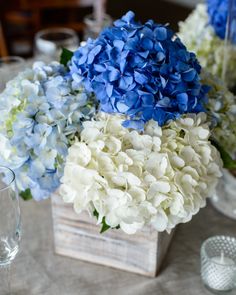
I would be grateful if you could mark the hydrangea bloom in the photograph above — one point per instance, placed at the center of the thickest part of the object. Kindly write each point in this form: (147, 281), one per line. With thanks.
(218, 14)
(40, 114)
(159, 177)
(222, 105)
(199, 36)
(142, 71)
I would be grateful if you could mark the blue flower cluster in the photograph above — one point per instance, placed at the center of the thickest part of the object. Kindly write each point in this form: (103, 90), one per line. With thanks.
(218, 14)
(48, 115)
(143, 71)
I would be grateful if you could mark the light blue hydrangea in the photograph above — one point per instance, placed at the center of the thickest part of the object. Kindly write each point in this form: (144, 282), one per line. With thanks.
(41, 113)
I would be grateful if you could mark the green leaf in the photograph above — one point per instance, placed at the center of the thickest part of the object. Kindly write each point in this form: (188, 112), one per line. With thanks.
(105, 226)
(229, 163)
(26, 195)
(95, 213)
(66, 56)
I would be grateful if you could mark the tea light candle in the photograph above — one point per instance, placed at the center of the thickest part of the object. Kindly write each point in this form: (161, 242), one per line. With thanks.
(218, 263)
(218, 277)
(222, 260)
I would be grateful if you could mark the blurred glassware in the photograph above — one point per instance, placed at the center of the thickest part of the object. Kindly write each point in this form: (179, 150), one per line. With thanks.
(10, 220)
(225, 198)
(10, 66)
(49, 43)
(9, 216)
(93, 27)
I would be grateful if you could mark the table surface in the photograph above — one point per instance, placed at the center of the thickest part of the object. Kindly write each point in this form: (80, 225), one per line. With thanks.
(38, 271)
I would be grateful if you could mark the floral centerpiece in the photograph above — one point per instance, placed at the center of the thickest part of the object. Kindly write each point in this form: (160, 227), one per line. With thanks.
(210, 32)
(203, 32)
(122, 130)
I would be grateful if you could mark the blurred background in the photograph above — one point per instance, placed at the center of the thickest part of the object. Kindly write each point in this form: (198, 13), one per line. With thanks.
(23, 22)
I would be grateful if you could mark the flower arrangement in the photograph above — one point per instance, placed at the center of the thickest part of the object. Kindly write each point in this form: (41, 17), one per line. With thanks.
(41, 113)
(148, 94)
(203, 32)
(123, 129)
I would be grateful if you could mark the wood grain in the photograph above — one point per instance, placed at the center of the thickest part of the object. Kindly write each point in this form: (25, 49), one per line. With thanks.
(78, 236)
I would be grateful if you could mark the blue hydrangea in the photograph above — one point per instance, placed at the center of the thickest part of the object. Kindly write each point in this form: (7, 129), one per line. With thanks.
(142, 71)
(218, 14)
(41, 114)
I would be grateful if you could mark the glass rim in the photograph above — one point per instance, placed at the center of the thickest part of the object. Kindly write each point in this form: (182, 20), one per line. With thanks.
(90, 19)
(12, 57)
(206, 256)
(12, 178)
(71, 32)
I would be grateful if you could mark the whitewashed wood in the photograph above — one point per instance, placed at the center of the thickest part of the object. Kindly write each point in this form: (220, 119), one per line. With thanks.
(78, 236)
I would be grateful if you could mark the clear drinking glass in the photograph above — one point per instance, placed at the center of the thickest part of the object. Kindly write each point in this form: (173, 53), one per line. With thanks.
(49, 42)
(10, 66)
(10, 220)
(218, 263)
(224, 199)
(93, 27)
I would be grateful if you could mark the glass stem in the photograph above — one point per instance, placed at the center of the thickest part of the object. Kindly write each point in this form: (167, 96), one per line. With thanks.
(5, 280)
(8, 271)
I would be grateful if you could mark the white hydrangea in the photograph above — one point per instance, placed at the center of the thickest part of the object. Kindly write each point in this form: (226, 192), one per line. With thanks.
(222, 105)
(160, 177)
(199, 36)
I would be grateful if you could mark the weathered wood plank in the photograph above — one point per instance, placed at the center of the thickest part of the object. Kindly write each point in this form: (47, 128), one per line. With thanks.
(78, 236)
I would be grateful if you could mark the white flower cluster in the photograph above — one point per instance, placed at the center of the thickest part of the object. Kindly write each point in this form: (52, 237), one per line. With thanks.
(222, 105)
(199, 36)
(161, 176)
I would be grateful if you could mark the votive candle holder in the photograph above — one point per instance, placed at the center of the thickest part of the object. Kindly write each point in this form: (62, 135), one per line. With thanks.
(218, 263)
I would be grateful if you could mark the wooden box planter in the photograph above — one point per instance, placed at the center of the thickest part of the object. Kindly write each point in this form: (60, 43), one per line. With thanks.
(78, 236)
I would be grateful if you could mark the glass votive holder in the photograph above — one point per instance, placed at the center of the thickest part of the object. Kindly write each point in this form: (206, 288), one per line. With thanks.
(49, 43)
(218, 263)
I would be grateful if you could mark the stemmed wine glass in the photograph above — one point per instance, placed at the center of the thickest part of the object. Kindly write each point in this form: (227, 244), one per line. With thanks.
(10, 220)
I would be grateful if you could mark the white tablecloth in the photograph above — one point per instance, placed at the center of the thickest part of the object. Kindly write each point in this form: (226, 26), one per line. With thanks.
(38, 271)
